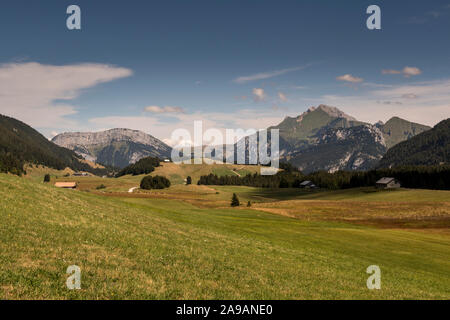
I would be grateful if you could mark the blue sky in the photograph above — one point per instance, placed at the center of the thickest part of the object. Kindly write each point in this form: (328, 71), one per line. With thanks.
(160, 65)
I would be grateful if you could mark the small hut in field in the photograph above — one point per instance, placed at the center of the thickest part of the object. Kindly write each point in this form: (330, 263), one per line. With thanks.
(307, 185)
(388, 183)
(66, 185)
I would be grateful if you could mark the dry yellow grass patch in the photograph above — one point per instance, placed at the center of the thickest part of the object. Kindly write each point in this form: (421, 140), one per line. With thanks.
(383, 214)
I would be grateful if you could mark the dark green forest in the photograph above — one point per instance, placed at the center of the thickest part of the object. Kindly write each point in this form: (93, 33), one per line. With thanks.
(156, 182)
(20, 144)
(423, 177)
(143, 166)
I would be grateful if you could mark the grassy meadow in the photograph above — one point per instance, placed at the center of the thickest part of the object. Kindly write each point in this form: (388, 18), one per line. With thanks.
(186, 242)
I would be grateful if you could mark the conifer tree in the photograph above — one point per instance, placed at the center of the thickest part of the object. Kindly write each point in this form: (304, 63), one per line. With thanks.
(235, 201)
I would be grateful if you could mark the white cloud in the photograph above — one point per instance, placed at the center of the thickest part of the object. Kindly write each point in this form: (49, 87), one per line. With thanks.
(282, 97)
(259, 94)
(411, 71)
(350, 78)
(409, 96)
(267, 75)
(29, 91)
(166, 109)
(406, 71)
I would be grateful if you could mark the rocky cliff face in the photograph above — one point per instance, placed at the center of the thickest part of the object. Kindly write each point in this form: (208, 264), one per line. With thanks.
(115, 147)
(355, 148)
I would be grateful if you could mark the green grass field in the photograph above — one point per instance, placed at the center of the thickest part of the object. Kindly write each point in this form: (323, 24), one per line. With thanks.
(150, 248)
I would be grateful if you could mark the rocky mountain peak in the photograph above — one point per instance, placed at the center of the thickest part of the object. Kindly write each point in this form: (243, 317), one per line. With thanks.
(331, 111)
(117, 147)
(69, 139)
(335, 112)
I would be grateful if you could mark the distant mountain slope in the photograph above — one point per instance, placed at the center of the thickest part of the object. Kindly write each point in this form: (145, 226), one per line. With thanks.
(428, 148)
(115, 147)
(355, 148)
(19, 143)
(397, 130)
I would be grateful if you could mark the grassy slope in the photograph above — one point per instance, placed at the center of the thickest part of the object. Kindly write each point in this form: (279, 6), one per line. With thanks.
(177, 173)
(142, 248)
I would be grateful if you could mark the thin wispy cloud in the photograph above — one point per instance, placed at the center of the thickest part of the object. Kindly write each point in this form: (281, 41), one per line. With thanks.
(299, 87)
(166, 109)
(267, 75)
(350, 78)
(416, 20)
(409, 96)
(406, 71)
(429, 16)
(434, 14)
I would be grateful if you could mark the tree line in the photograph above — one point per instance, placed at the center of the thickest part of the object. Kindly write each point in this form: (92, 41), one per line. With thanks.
(426, 177)
(143, 166)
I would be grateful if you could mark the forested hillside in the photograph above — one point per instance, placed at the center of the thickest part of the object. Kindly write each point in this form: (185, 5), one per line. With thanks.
(19, 144)
(143, 166)
(431, 147)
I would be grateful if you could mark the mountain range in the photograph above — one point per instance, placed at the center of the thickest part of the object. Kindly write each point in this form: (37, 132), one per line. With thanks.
(322, 138)
(326, 138)
(115, 147)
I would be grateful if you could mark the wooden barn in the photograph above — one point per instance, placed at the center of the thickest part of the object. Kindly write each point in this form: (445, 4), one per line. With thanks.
(388, 183)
